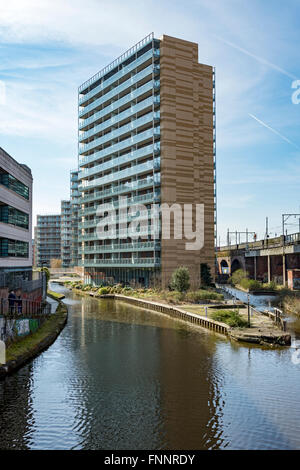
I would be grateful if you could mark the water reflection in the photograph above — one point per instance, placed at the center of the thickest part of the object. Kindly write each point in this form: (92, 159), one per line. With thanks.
(120, 377)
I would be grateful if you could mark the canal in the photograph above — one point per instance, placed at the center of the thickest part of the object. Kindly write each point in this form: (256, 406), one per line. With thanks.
(119, 377)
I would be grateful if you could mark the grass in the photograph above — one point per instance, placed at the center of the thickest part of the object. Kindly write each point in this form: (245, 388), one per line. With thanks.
(55, 295)
(25, 345)
(230, 317)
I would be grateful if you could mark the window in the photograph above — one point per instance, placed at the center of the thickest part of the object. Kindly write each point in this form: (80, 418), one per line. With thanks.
(13, 248)
(14, 184)
(11, 215)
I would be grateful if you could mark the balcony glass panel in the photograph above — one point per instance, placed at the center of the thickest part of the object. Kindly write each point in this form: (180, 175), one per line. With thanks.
(118, 89)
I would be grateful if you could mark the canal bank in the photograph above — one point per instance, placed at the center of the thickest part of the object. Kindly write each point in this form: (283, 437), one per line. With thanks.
(263, 332)
(25, 349)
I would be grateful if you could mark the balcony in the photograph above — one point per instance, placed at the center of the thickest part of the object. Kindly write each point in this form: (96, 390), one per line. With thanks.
(118, 104)
(114, 148)
(110, 81)
(128, 157)
(147, 72)
(118, 61)
(116, 119)
(121, 247)
(130, 262)
(119, 175)
(117, 133)
(123, 188)
(144, 198)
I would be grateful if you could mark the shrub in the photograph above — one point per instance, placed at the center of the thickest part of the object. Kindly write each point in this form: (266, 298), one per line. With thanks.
(103, 291)
(271, 285)
(206, 279)
(238, 276)
(230, 317)
(180, 280)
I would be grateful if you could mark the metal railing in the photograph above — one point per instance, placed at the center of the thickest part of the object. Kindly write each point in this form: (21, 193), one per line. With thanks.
(117, 61)
(19, 281)
(19, 307)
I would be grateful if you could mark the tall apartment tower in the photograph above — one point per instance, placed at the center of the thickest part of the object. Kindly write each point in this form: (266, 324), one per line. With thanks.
(48, 239)
(147, 132)
(65, 233)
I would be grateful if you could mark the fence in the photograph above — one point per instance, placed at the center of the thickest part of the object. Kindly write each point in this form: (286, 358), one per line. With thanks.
(277, 316)
(19, 281)
(18, 307)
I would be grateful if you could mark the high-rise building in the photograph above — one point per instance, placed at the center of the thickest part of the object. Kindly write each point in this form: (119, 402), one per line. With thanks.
(74, 197)
(147, 133)
(48, 239)
(66, 234)
(15, 217)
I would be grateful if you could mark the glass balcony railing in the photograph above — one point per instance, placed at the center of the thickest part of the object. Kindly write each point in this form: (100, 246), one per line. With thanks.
(129, 53)
(133, 262)
(123, 188)
(97, 221)
(121, 247)
(128, 157)
(117, 133)
(114, 120)
(120, 146)
(144, 198)
(109, 81)
(117, 90)
(118, 175)
(118, 103)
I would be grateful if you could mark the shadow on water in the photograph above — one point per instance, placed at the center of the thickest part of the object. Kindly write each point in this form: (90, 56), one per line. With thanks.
(120, 377)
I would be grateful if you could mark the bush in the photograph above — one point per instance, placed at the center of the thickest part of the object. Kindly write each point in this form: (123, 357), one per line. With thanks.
(230, 317)
(238, 276)
(206, 279)
(180, 280)
(103, 291)
(197, 296)
(271, 285)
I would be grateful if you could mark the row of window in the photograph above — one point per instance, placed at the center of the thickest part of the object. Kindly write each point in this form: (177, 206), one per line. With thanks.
(14, 184)
(11, 215)
(13, 248)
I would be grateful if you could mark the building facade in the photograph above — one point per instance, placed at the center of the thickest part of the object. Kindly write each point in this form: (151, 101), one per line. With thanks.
(74, 197)
(48, 239)
(146, 133)
(66, 234)
(15, 216)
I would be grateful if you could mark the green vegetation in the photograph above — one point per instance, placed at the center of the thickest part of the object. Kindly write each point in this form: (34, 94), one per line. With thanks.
(172, 297)
(31, 342)
(55, 295)
(180, 280)
(291, 303)
(241, 278)
(230, 317)
(206, 279)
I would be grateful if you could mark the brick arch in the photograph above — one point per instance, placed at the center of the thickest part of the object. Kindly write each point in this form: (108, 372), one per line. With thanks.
(237, 263)
(223, 262)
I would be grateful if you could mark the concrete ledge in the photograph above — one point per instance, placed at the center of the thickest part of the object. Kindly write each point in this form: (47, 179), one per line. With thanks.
(31, 346)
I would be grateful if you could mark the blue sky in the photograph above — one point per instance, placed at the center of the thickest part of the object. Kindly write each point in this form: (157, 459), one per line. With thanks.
(48, 48)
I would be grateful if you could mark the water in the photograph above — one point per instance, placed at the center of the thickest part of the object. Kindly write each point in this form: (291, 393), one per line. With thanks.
(119, 377)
